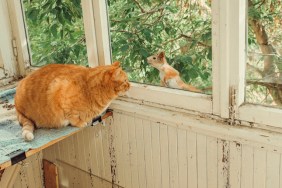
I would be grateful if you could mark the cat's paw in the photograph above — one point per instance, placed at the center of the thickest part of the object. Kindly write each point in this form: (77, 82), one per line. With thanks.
(27, 135)
(81, 124)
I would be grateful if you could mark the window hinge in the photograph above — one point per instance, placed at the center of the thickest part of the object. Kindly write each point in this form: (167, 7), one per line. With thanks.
(232, 105)
(15, 49)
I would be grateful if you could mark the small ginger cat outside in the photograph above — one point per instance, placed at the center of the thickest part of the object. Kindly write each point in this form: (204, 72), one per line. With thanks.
(169, 76)
(58, 95)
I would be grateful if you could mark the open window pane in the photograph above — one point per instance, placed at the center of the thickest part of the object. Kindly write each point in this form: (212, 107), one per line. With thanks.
(182, 29)
(55, 29)
(264, 63)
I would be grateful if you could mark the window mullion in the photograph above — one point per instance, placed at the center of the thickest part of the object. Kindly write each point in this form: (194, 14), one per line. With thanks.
(90, 34)
(19, 35)
(216, 56)
(230, 54)
(223, 52)
(102, 31)
(237, 48)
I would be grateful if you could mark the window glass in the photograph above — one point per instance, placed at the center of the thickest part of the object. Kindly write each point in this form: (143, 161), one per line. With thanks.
(264, 60)
(181, 29)
(55, 29)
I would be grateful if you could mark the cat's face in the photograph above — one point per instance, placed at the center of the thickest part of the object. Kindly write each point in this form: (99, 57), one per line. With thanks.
(120, 79)
(157, 60)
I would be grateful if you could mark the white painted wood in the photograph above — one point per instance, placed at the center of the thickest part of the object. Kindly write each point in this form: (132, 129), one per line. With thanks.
(247, 178)
(192, 159)
(148, 153)
(37, 170)
(178, 98)
(30, 173)
(8, 60)
(223, 151)
(20, 34)
(140, 152)
(182, 158)
(133, 152)
(23, 177)
(235, 164)
(237, 46)
(90, 34)
(224, 61)
(99, 150)
(9, 176)
(164, 155)
(173, 158)
(272, 170)
(118, 144)
(102, 32)
(79, 158)
(92, 147)
(67, 146)
(212, 162)
(125, 152)
(107, 161)
(202, 125)
(216, 36)
(260, 168)
(62, 153)
(202, 160)
(261, 114)
(280, 173)
(17, 183)
(161, 154)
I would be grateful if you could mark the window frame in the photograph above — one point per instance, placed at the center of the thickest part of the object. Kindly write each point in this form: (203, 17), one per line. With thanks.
(253, 113)
(229, 26)
(152, 94)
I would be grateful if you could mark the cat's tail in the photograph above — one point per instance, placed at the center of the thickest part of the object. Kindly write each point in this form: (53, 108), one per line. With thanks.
(27, 126)
(190, 88)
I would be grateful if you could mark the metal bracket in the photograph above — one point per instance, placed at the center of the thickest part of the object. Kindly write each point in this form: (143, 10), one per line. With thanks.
(17, 156)
(99, 119)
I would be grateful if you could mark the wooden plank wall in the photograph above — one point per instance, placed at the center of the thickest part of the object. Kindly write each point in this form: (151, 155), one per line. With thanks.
(136, 153)
(27, 175)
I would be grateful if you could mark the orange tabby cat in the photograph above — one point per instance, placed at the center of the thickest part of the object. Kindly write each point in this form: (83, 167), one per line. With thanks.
(168, 75)
(58, 95)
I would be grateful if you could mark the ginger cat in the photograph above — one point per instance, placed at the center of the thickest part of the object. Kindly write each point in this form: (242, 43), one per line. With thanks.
(168, 75)
(58, 95)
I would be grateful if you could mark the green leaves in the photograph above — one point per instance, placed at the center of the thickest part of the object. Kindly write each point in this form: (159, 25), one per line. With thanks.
(55, 31)
(138, 31)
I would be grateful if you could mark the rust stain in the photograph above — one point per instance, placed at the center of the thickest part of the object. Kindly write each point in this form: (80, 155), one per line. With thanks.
(1, 173)
(113, 159)
(91, 177)
(225, 161)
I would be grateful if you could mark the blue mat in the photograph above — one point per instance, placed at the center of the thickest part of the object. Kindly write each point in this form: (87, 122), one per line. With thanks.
(10, 130)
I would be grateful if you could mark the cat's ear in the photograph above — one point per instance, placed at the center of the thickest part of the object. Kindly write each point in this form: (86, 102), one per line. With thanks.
(116, 64)
(161, 55)
(116, 73)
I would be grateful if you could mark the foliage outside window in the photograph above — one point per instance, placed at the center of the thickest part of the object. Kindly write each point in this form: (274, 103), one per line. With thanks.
(56, 33)
(140, 28)
(264, 63)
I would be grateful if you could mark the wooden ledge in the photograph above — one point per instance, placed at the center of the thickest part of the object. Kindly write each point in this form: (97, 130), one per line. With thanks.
(36, 150)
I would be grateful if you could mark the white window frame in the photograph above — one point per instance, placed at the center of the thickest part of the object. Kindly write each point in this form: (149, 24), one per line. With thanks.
(253, 113)
(141, 92)
(8, 53)
(229, 22)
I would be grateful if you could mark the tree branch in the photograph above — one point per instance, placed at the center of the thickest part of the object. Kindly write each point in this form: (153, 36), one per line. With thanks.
(139, 5)
(191, 39)
(255, 69)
